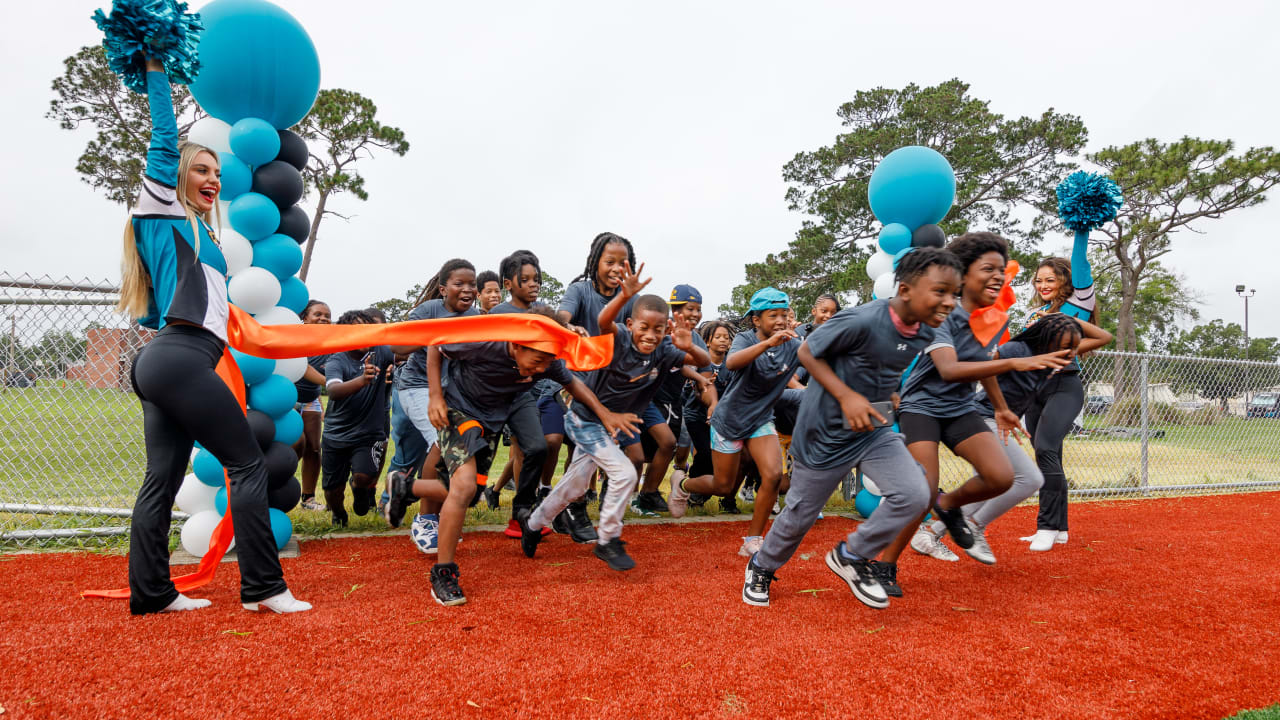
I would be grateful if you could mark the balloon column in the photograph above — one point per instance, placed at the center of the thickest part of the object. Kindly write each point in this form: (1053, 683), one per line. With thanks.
(259, 75)
(911, 190)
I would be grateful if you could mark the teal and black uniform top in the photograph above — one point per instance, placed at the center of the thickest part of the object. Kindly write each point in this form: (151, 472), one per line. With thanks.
(186, 283)
(413, 374)
(748, 400)
(868, 353)
(925, 392)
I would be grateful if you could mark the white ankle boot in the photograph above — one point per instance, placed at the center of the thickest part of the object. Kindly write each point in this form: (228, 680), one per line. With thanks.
(283, 603)
(1043, 540)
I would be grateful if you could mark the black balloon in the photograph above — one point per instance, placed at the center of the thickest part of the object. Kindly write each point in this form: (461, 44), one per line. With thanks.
(293, 149)
(279, 181)
(282, 462)
(285, 497)
(295, 223)
(263, 427)
(928, 236)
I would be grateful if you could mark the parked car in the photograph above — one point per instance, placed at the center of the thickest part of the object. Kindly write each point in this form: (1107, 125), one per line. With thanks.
(1098, 404)
(1264, 405)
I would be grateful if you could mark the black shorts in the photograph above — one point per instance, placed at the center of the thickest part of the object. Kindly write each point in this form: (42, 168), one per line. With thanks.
(338, 462)
(949, 431)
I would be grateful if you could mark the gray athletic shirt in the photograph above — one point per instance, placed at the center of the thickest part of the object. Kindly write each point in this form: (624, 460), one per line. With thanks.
(629, 381)
(925, 392)
(747, 403)
(865, 350)
(414, 372)
(584, 303)
(361, 417)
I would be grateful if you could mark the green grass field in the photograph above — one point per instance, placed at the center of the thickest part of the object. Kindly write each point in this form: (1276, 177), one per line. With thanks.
(82, 447)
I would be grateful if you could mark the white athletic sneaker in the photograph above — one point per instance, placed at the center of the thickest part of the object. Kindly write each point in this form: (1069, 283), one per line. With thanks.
(926, 543)
(1062, 537)
(678, 500)
(981, 551)
(676, 476)
(1043, 540)
(751, 545)
(283, 603)
(182, 603)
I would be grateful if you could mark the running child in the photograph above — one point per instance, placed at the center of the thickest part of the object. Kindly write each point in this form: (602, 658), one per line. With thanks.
(762, 360)
(356, 381)
(939, 404)
(856, 360)
(488, 290)
(308, 446)
(642, 354)
(823, 308)
(699, 402)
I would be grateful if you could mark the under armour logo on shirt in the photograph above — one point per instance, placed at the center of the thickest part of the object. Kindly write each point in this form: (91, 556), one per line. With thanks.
(902, 346)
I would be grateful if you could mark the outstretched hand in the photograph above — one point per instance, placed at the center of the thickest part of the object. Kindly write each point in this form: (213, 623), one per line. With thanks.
(631, 282)
(681, 333)
(1008, 424)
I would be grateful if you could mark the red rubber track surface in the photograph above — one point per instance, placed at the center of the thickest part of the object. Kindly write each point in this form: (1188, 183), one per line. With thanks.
(1156, 609)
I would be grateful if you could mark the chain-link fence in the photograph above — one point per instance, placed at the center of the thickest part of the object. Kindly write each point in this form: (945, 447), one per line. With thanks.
(71, 451)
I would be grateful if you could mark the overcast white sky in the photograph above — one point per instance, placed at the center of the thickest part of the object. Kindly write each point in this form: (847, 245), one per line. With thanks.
(538, 125)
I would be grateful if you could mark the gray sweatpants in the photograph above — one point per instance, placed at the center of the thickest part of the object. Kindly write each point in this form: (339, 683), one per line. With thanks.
(1026, 482)
(899, 477)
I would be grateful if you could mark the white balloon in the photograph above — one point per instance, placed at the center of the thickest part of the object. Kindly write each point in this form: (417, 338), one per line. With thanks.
(194, 496)
(237, 250)
(291, 369)
(879, 264)
(254, 290)
(278, 315)
(869, 485)
(885, 287)
(211, 133)
(197, 530)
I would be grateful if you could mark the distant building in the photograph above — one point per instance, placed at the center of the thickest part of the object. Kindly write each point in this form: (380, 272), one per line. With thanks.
(108, 357)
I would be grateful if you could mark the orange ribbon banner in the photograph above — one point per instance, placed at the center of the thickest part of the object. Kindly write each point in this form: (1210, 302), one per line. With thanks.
(290, 341)
(993, 320)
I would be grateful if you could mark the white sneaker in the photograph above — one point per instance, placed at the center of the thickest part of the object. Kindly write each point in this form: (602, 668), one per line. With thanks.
(676, 476)
(751, 545)
(926, 543)
(678, 500)
(1043, 540)
(182, 603)
(281, 604)
(981, 550)
(1062, 537)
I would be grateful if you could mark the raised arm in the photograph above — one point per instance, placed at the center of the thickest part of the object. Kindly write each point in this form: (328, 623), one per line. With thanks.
(1094, 337)
(1081, 270)
(951, 369)
(162, 155)
(746, 356)
(631, 285)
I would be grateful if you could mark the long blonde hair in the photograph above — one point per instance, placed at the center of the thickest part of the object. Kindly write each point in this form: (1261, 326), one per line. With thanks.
(134, 279)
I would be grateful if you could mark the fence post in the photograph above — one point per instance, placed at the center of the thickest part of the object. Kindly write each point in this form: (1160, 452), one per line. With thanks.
(1146, 416)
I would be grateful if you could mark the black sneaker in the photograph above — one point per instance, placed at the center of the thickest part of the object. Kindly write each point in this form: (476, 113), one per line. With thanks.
(755, 587)
(359, 499)
(729, 505)
(614, 553)
(561, 523)
(400, 488)
(957, 528)
(860, 577)
(580, 528)
(492, 497)
(698, 499)
(444, 585)
(887, 574)
(529, 538)
(649, 504)
(591, 495)
(340, 518)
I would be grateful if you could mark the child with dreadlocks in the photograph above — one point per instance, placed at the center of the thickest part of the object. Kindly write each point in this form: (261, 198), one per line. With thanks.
(599, 283)
(643, 353)
(1019, 388)
(356, 381)
(450, 293)
(939, 404)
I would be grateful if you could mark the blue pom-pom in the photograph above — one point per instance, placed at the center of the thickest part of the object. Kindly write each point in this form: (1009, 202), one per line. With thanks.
(1087, 200)
(162, 29)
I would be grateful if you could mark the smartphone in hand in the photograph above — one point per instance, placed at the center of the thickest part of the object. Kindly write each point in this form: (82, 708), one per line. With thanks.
(885, 408)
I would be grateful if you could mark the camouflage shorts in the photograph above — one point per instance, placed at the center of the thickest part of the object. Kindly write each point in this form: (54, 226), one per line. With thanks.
(462, 439)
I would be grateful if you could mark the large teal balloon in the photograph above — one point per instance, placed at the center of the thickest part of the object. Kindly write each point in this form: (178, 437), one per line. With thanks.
(237, 178)
(256, 60)
(252, 368)
(254, 141)
(288, 428)
(293, 294)
(913, 186)
(207, 469)
(274, 396)
(279, 255)
(254, 216)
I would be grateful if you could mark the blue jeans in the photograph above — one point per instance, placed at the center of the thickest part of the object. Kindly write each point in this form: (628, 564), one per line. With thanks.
(411, 444)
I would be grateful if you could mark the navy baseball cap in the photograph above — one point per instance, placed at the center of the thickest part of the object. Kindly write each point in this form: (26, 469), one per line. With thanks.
(769, 299)
(682, 294)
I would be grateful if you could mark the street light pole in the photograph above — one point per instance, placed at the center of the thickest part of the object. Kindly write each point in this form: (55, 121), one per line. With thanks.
(1240, 291)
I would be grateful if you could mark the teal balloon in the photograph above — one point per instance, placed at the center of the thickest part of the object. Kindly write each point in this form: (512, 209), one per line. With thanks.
(866, 503)
(207, 469)
(912, 186)
(220, 500)
(256, 61)
(897, 257)
(254, 141)
(279, 255)
(253, 369)
(293, 294)
(274, 396)
(237, 178)
(281, 527)
(288, 428)
(254, 216)
(895, 237)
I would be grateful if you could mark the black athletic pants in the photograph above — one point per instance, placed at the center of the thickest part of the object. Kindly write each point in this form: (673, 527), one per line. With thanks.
(525, 425)
(1049, 420)
(184, 400)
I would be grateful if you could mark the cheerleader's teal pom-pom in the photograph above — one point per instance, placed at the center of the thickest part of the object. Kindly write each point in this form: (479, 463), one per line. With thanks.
(1087, 200)
(162, 29)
